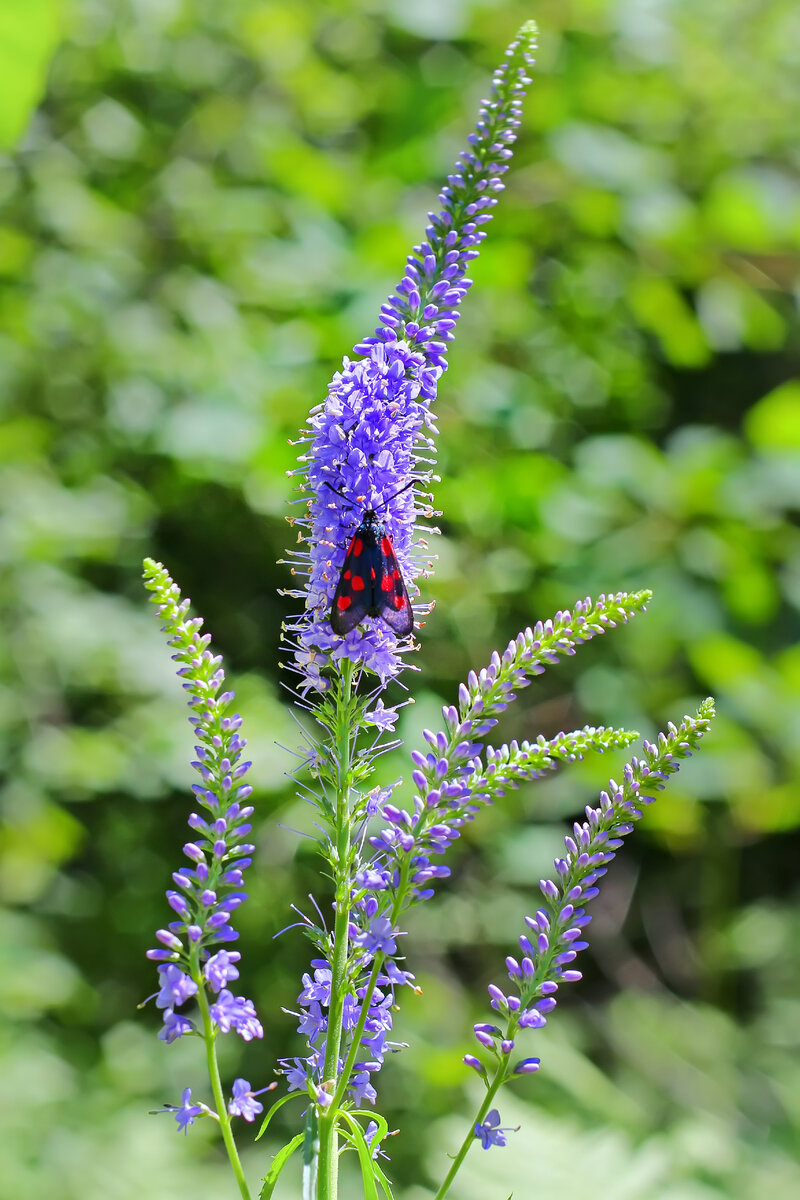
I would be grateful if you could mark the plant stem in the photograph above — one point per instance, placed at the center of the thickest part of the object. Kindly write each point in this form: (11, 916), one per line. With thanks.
(494, 1087)
(328, 1133)
(355, 1043)
(216, 1088)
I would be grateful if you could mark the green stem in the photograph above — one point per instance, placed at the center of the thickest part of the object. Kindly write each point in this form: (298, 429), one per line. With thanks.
(328, 1132)
(209, 1037)
(355, 1042)
(494, 1087)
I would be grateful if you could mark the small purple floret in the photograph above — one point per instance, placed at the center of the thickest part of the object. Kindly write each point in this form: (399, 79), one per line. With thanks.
(185, 1113)
(176, 987)
(244, 1103)
(490, 1131)
(174, 1027)
(220, 969)
(236, 1013)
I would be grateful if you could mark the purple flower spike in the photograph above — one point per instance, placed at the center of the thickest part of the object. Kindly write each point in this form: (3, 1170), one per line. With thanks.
(605, 826)
(208, 891)
(425, 305)
(372, 435)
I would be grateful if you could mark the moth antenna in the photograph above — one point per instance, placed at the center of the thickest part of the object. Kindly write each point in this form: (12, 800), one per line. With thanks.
(400, 491)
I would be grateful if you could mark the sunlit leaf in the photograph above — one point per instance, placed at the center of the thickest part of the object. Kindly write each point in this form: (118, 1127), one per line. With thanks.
(28, 34)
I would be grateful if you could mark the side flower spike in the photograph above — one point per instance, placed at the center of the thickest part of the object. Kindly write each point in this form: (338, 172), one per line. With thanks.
(208, 889)
(555, 933)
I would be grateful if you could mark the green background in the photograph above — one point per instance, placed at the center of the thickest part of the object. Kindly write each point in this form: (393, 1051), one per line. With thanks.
(203, 215)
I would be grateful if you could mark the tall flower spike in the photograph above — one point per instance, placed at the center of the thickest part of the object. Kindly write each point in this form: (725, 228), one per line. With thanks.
(373, 433)
(192, 954)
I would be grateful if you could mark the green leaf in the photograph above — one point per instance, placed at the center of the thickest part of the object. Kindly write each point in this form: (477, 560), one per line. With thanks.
(278, 1163)
(774, 422)
(278, 1104)
(28, 33)
(369, 1168)
(382, 1180)
(380, 1134)
(383, 1127)
(660, 308)
(729, 663)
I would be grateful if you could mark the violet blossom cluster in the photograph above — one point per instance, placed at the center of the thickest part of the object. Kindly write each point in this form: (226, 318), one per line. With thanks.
(368, 1008)
(373, 433)
(193, 953)
(397, 865)
(556, 931)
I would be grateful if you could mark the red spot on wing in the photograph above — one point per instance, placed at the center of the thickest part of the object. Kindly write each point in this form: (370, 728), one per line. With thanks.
(387, 583)
(372, 573)
(347, 574)
(344, 602)
(387, 547)
(358, 583)
(399, 602)
(356, 546)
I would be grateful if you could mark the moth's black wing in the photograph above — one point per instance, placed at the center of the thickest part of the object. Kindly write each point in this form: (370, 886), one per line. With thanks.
(353, 598)
(391, 595)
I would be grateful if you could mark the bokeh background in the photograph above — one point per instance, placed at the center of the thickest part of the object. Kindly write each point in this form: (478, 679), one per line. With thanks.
(201, 216)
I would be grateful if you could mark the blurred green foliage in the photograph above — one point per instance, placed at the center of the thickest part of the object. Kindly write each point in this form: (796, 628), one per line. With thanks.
(204, 216)
(28, 34)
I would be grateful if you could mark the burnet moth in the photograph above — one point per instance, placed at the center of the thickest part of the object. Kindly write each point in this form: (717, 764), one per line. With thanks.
(371, 583)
